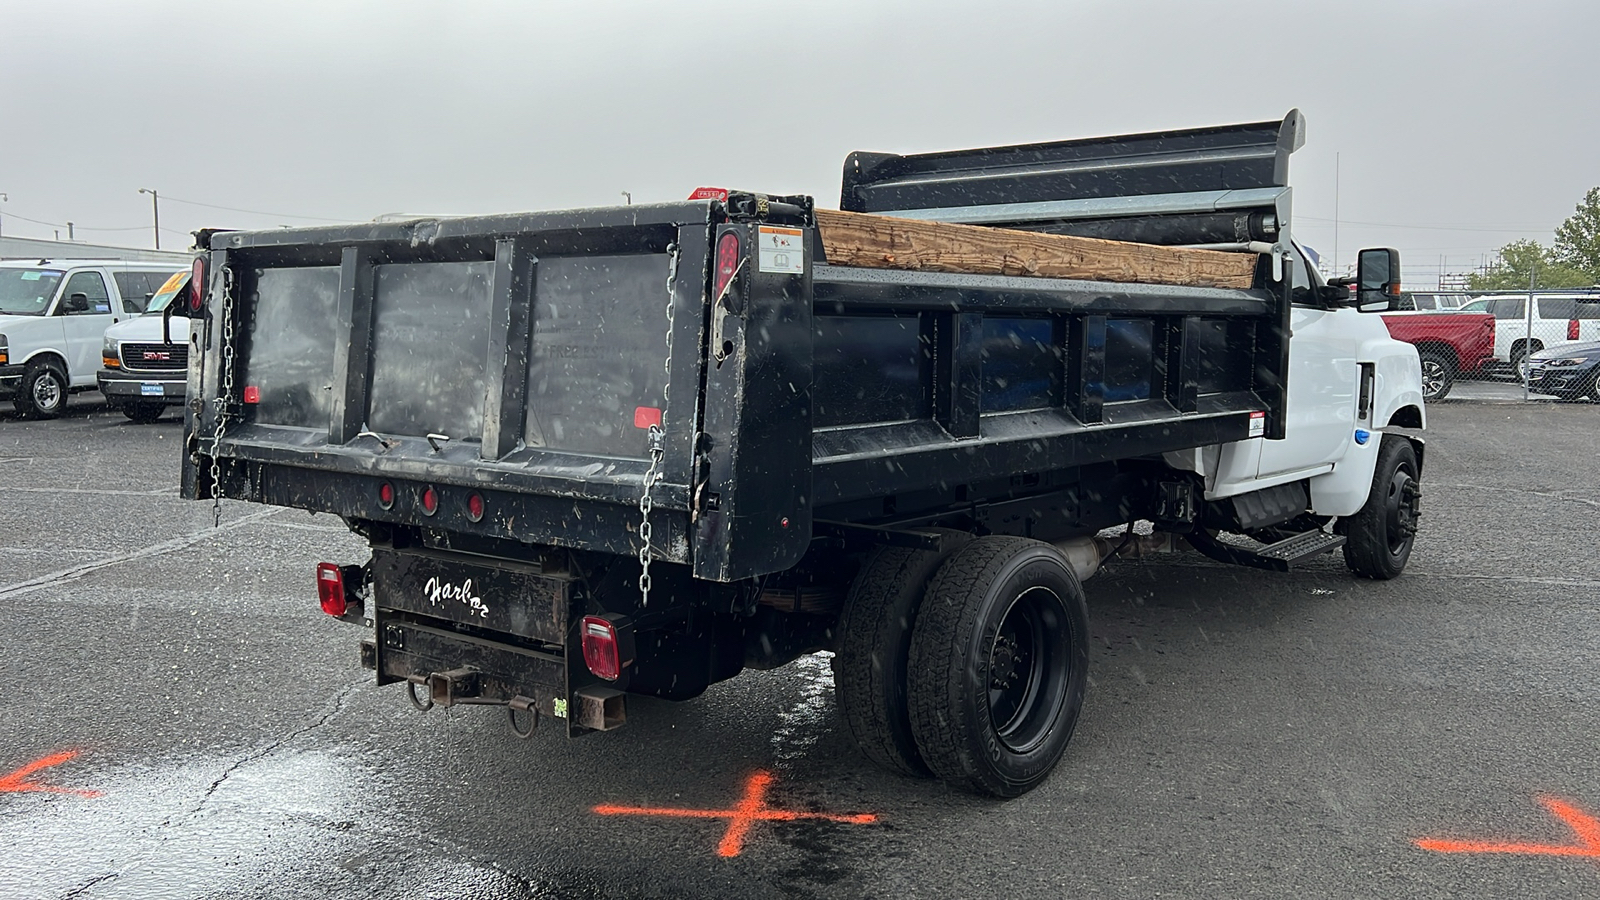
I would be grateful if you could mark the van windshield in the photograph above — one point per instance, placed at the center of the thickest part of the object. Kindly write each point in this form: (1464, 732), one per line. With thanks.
(170, 289)
(27, 292)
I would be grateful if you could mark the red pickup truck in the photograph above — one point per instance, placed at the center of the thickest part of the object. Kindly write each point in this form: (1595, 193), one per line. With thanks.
(1449, 344)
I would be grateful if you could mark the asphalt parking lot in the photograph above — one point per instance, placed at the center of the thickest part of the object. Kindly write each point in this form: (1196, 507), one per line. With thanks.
(184, 722)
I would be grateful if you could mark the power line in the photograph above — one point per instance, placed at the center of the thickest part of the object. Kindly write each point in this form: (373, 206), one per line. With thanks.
(11, 215)
(254, 212)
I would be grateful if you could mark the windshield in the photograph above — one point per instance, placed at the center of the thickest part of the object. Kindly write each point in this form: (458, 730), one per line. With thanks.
(27, 292)
(170, 289)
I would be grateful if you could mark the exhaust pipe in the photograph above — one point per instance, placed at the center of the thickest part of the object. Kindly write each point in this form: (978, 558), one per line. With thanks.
(1087, 554)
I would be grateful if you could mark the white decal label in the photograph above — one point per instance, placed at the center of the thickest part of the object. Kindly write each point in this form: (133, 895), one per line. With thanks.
(781, 250)
(441, 592)
(1258, 424)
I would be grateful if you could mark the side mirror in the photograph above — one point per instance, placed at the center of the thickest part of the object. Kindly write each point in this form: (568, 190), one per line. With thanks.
(77, 303)
(1377, 279)
(167, 312)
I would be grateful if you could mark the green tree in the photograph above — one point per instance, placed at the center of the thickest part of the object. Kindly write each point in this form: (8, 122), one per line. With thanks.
(1578, 238)
(1519, 260)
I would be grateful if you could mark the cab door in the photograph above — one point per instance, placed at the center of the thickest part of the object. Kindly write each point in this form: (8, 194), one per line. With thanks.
(86, 311)
(1324, 377)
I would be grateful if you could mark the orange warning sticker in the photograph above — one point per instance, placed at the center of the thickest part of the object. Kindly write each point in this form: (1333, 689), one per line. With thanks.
(781, 250)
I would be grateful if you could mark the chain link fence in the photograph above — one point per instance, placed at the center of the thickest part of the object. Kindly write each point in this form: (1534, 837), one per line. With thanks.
(1535, 346)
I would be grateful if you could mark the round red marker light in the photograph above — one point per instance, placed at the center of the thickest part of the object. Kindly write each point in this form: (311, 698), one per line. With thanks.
(475, 507)
(430, 501)
(386, 495)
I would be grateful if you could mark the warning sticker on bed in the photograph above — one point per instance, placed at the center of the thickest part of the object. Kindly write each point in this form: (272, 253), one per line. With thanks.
(781, 250)
(1258, 423)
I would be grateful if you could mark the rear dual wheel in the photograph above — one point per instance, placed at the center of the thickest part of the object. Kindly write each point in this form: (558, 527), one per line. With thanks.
(869, 667)
(998, 664)
(967, 663)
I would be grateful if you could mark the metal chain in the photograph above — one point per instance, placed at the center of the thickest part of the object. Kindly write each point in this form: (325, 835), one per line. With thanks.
(222, 401)
(657, 438)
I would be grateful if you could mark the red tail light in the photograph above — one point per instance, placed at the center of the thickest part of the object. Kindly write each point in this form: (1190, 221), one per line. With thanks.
(1572, 329)
(197, 284)
(475, 507)
(386, 495)
(330, 589)
(600, 648)
(727, 261)
(430, 501)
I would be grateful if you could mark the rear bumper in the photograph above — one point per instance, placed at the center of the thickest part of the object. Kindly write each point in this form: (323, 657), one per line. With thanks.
(473, 633)
(128, 387)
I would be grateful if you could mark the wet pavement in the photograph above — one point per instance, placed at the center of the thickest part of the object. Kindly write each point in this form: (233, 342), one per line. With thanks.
(184, 722)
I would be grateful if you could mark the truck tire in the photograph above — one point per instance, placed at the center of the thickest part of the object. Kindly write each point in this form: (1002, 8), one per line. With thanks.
(869, 664)
(1380, 535)
(43, 394)
(999, 660)
(1438, 374)
(144, 413)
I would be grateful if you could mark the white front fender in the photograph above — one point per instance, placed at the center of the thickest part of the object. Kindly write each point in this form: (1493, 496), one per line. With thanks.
(1396, 400)
(1398, 384)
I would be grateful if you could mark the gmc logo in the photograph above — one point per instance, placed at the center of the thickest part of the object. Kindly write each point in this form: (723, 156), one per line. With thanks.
(157, 354)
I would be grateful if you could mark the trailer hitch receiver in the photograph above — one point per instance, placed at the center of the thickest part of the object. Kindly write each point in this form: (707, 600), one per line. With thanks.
(454, 686)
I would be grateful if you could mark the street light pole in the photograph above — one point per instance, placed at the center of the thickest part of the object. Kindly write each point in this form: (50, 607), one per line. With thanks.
(155, 208)
(3, 198)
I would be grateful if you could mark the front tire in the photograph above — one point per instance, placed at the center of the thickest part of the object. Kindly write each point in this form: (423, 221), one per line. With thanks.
(43, 394)
(1380, 535)
(1438, 375)
(999, 660)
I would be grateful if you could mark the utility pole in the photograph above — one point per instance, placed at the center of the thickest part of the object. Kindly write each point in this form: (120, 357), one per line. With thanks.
(155, 208)
(70, 235)
(1336, 215)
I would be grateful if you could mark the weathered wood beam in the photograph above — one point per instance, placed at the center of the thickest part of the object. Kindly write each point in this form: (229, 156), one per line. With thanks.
(883, 242)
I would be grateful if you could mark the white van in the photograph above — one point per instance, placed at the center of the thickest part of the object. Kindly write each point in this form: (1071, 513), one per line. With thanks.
(1557, 319)
(53, 317)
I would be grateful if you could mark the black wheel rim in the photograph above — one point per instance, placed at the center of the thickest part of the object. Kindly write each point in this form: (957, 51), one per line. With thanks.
(1401, 504)
(1029, 669)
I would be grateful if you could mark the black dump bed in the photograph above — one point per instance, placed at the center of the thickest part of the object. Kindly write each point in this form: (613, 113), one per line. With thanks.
(495, 379)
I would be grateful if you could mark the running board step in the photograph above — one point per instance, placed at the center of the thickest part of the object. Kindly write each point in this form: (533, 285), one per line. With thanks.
(1277, 557)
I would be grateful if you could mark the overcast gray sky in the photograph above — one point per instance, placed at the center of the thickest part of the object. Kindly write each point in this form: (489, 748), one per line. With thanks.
(1458, 126)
